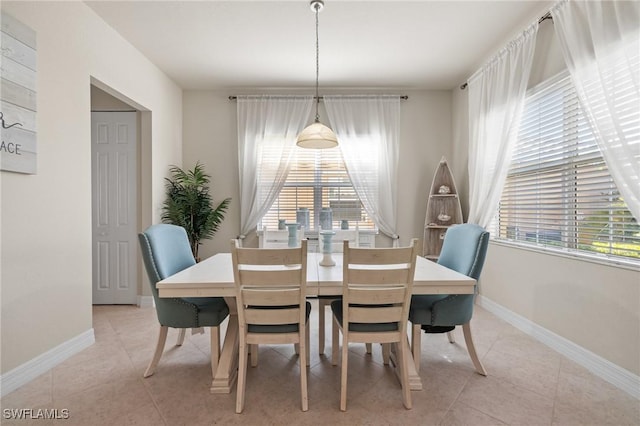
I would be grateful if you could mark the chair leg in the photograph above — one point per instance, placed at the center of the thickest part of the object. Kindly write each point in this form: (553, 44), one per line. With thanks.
(254, 355)
(403, 347)
(416, 348)
(343, 375)
(162, 338)
(307, 342)
(302, 360)
(368, 348)
(466, 329)
(321, 337)
(335, 341)
(242, 375)
(296, 348)
(386, 353)
(183, 332)
(215, 349)
(451, 336)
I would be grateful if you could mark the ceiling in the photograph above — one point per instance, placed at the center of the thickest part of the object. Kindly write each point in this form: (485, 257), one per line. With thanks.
(271, 44)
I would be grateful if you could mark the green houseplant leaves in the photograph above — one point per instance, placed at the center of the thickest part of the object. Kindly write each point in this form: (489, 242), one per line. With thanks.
(190, 205)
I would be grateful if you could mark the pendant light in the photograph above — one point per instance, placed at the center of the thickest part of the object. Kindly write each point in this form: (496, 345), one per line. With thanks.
(317, 135)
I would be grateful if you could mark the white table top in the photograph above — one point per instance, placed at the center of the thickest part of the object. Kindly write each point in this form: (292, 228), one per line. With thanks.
(213, 277)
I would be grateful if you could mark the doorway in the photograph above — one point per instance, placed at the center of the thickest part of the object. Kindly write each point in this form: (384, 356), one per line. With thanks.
(114, 187)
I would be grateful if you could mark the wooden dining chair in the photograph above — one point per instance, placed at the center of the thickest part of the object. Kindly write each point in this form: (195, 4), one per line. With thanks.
(376, 292)
(272, 307)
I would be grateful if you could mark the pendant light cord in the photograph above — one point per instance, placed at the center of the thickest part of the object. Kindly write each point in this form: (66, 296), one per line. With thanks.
(317, 7)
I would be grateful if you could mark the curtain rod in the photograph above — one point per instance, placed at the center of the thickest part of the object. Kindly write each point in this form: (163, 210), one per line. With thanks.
(542, 18)
(403, 97)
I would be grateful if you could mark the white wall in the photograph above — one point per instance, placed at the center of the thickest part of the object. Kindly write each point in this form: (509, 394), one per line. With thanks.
(46, 218)
(102, 101)
(595, 306)
(210, 136)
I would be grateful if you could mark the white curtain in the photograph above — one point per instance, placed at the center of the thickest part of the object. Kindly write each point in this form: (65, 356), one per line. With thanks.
(496, 100)
(600, 42)
(267, 131)
(368, 131)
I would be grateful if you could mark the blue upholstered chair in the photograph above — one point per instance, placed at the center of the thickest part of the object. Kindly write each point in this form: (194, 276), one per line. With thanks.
(464, 250)
(166, 251)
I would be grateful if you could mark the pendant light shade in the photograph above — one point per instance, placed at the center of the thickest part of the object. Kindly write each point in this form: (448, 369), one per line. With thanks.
(317, 135)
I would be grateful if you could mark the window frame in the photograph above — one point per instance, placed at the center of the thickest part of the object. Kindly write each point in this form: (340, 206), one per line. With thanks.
(319, 187)
(572, 249)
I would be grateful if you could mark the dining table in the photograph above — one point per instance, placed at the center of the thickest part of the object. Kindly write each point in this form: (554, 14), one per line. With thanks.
(213, 277)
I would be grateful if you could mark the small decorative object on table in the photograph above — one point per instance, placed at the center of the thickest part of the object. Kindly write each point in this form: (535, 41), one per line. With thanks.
(302, 217)
(326, 218)
(344, 224)
(327, 260)
(281, 224)
(293, 234)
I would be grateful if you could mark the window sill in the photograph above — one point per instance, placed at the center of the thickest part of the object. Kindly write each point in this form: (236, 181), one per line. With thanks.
(617, 263)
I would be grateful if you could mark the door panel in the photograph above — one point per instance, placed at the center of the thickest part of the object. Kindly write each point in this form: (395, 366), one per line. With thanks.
(114, 189)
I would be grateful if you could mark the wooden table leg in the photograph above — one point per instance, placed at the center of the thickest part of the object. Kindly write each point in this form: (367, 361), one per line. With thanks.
(227, 371)
(415, 382)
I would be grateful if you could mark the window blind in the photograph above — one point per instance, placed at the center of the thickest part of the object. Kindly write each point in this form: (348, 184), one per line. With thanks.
(559, 192)
(318, 178)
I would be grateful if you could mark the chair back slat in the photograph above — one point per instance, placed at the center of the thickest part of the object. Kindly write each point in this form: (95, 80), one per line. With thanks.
(270, 277)
(379, 276)
(376, 295)
(272, 316)
(275, 256)
(377, 315)
(276, 296)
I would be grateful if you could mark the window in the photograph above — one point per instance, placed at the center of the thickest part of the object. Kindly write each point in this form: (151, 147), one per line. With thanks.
(318, 179)
(559, 193)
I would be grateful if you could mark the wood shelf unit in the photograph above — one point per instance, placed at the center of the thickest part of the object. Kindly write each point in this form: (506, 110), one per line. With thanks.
(443, 210)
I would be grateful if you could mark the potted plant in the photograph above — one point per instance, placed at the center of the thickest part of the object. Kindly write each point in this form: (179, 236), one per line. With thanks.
(190, 205)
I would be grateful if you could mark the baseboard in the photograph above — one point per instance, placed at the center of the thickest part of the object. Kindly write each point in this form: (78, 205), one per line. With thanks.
(612, 373)
(146, 302)
(28, 371)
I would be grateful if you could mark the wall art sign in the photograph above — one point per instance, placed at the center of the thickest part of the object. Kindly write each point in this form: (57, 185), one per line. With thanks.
(18, 149)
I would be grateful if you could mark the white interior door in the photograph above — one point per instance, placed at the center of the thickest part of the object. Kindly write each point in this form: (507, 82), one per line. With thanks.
(114, 195)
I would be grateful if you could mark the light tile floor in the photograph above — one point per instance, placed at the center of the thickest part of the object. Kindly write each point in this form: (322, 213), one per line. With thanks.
(528, 383)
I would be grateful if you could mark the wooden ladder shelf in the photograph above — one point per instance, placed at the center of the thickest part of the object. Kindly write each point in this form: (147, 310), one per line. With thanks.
(443, 210)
